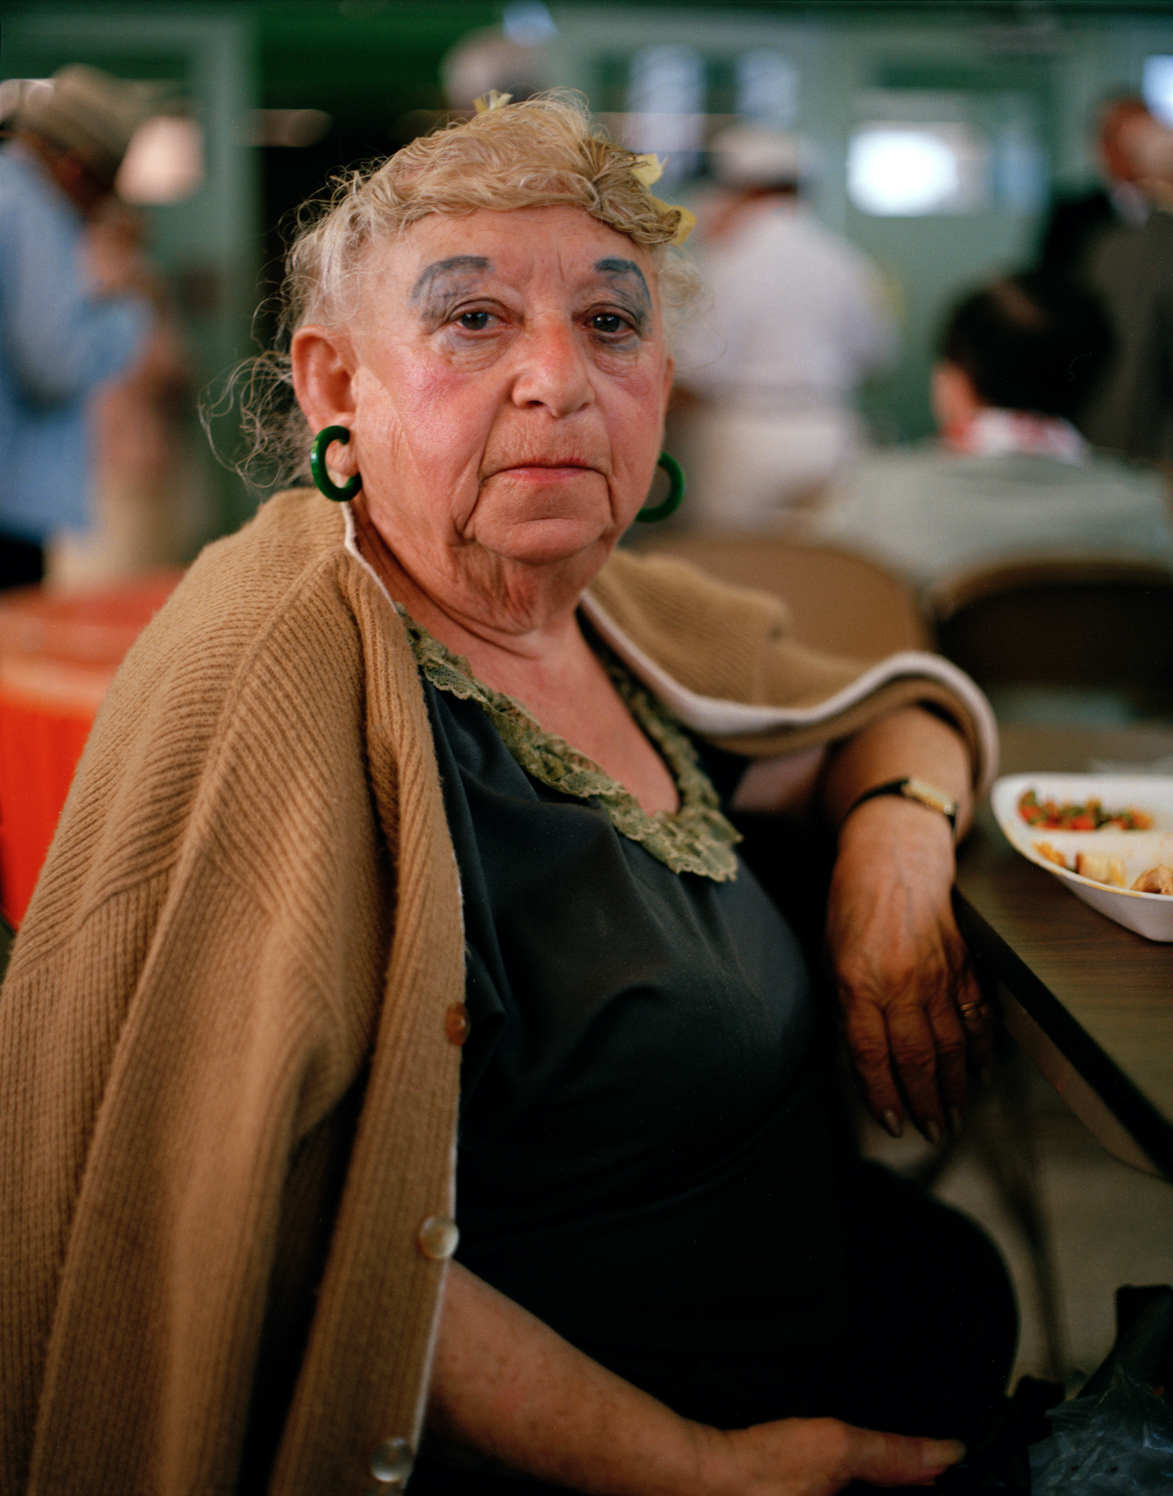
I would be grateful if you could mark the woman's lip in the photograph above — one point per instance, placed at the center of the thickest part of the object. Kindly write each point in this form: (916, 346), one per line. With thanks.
(547, 469)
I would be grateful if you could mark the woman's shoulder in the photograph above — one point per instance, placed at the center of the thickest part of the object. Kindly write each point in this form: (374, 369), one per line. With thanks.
(266, 646)
(290, 542)
(283, 587)
(672, 597)
(242, 711)
(711, 637)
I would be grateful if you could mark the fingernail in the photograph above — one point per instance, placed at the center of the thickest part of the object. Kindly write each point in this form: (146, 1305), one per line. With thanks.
(936, 1452)
(932, 1132)
(894, 1125)
(956, 1118)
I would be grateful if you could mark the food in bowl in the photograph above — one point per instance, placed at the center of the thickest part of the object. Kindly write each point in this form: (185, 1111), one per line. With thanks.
(1157, 879)
(1090, 815)
(1101, 867)
(1052, 854)
(1107, 868)
(1146, 914)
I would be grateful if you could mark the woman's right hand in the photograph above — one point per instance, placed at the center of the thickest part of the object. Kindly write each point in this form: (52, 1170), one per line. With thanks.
(818, 1456)
(509, 1394)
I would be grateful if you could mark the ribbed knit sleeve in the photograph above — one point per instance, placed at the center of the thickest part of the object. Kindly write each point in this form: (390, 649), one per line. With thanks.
(247, 926)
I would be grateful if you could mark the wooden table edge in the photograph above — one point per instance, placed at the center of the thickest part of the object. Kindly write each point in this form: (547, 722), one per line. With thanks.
(1118, 1114)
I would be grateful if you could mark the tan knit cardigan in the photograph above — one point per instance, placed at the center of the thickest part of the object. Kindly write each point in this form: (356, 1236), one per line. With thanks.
(229, 1091)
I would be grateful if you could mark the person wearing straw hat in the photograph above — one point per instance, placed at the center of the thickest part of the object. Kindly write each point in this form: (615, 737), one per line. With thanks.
(64, 328)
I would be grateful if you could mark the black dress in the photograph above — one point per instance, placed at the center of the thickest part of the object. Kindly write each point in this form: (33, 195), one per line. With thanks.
(648, 1155)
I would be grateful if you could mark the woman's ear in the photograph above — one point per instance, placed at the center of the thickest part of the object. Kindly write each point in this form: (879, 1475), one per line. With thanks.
(669, 376)
(323, 367)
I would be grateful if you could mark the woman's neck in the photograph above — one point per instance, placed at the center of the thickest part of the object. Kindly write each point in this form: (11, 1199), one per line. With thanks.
(546, 664)
(517, 626)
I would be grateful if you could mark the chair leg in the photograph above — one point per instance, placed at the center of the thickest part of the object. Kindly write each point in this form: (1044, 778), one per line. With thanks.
(1001, 1137)
(1006, 1139)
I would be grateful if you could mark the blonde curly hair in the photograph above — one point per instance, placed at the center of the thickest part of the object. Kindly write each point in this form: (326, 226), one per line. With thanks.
(543, 152)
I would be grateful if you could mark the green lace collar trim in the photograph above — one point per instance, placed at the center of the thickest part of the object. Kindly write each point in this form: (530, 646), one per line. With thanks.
(695, 838)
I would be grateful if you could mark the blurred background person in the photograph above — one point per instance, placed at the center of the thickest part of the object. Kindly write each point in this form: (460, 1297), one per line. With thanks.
(140, 480)
(1131, 410)
(1077, 222)
(798, 319)
(1010, 475)
(65, 326)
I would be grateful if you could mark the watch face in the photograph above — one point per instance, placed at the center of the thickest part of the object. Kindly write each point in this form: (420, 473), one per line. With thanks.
(928, 794)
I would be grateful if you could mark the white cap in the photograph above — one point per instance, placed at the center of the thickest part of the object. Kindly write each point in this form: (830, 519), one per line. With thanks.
(488, 59)
(750, 155)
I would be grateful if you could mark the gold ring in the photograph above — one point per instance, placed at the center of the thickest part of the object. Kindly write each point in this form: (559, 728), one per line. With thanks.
(967, 1008)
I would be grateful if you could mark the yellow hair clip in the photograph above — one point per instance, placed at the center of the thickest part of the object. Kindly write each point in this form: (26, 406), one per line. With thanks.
(490, 101)
(647, 169)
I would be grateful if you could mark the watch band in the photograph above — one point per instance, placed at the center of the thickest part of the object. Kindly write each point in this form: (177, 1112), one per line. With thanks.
(914, 789)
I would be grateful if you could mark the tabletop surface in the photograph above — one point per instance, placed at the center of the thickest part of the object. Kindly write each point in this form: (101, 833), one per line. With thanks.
(1081, 975)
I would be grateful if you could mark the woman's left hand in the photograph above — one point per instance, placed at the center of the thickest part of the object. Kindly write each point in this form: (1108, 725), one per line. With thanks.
(913, 1013)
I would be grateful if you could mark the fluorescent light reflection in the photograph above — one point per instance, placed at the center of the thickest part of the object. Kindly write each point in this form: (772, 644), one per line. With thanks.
(1158, 87)
(906, 170)
(164, 162)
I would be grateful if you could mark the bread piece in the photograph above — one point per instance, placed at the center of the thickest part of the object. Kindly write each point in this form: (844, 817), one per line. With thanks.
(1157, 879)
(1101, 867)
(1052, 854)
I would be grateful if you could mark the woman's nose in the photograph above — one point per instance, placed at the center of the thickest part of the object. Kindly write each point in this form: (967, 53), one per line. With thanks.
(553, 371)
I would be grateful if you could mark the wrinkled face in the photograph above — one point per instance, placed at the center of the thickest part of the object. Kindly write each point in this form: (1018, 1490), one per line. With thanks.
(509, 383)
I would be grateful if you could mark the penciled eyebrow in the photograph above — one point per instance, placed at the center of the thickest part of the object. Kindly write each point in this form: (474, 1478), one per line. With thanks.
(453, 265)
(627, 268)
(458, 264)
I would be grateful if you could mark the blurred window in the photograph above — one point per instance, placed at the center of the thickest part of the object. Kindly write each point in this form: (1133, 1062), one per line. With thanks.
(910, 170)
(1158, 86)
(767, 88)
(528, 22)
(665, 107)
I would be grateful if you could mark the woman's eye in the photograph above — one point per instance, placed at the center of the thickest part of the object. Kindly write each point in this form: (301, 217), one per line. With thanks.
(610, 324)
(474, 321)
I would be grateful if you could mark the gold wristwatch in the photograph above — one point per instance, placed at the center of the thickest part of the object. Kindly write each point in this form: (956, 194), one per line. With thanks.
(914, 789)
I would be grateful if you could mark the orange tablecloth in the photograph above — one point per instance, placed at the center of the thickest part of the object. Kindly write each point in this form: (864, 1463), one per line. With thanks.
(58, 654)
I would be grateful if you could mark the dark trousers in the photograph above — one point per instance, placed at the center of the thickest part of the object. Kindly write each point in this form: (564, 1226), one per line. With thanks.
(929, 1344)
(21, 562)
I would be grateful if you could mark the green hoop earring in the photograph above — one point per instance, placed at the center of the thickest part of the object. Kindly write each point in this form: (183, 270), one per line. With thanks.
(650, 516)
(322, 478)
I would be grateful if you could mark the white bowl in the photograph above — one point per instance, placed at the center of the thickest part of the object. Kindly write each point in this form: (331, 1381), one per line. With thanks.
(1149, 914)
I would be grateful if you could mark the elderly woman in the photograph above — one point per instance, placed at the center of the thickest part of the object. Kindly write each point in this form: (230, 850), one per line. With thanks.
(429, 766)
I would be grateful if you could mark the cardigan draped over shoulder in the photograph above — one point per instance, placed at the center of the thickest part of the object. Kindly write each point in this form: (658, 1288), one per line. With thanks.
(230, 1090)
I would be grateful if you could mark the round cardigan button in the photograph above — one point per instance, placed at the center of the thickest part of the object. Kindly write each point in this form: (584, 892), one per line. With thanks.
(437, 1237)
(457, 1024)
(392, 1461)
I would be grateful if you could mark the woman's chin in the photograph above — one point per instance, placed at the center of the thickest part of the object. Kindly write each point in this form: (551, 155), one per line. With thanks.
(550, 540)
